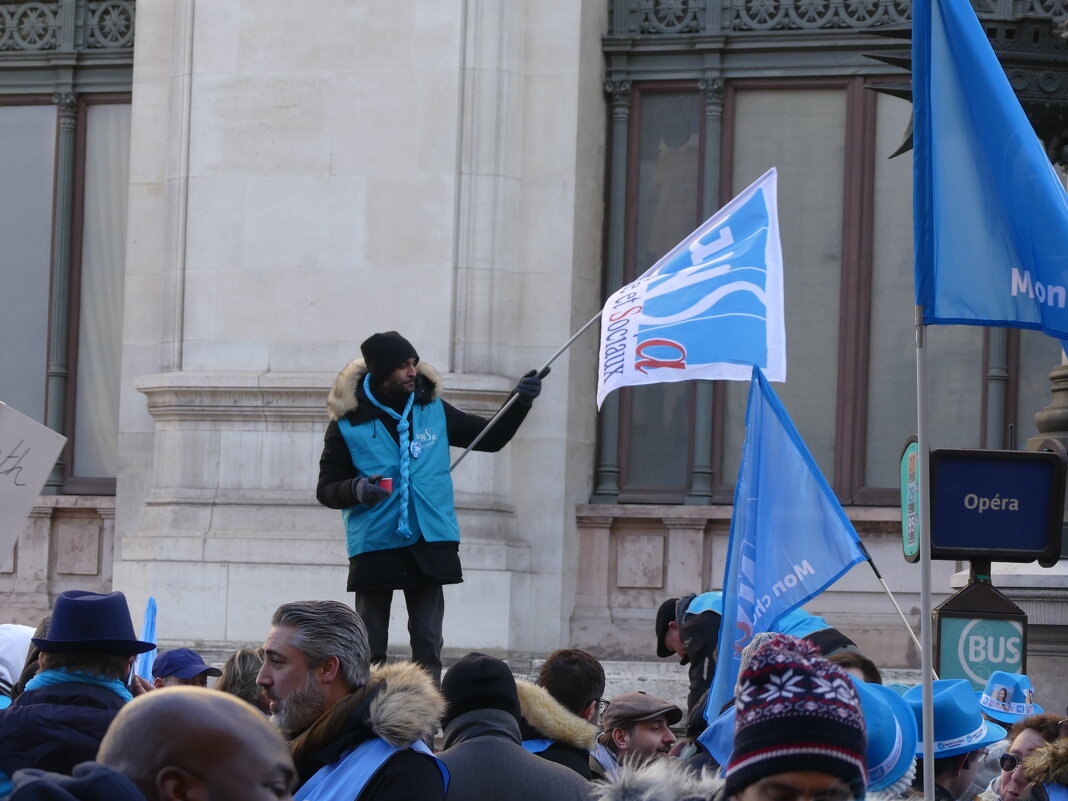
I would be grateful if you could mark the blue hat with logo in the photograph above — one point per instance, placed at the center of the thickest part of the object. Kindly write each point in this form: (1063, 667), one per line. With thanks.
(1008, 697)
(891, 733)
(959, 727)
(182, 663)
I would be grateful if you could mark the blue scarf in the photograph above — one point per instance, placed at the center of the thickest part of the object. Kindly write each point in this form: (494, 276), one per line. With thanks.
(404, 439)
(46, 678)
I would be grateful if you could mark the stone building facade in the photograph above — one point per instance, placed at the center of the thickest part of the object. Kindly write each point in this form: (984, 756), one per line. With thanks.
(276, 182)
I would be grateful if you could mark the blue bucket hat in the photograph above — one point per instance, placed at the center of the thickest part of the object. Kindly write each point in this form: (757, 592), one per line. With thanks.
(88, 622)
(959, 727)
(891, 733)
(1008, 697)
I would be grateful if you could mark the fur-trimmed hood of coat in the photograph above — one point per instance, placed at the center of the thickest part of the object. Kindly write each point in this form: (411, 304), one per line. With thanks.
(408, 707)
(345, 398)
(400, 703)
(665, 779)
(552, 719)
(1048, 764)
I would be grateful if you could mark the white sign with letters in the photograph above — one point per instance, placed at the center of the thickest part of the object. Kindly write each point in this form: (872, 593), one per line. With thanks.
(28, 450)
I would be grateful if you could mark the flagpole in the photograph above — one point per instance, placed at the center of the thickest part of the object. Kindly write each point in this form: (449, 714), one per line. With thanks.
(542, 372)
(889, 594)
(922, 464)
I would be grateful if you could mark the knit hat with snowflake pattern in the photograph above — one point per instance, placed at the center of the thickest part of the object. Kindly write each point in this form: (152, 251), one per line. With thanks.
(796, 712)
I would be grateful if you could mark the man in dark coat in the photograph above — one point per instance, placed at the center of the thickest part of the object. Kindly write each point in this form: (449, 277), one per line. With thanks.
(559, 712)
(67, 707)
(482, 747)
(385, 464)
(354, 735)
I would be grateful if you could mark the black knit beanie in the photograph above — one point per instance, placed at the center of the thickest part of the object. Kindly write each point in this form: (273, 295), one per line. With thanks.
(385, 352)
(796, 712)
(479, 682)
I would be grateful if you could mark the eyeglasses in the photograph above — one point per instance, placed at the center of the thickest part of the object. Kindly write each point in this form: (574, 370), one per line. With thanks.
(1009, 762)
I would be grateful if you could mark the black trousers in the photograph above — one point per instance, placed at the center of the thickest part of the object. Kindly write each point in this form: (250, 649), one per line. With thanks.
(426, 609)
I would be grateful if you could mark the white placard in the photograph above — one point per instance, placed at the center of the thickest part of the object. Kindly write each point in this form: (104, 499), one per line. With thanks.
(28, 450)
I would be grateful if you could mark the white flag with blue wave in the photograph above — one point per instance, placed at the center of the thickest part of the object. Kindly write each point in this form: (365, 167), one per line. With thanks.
(712, 308)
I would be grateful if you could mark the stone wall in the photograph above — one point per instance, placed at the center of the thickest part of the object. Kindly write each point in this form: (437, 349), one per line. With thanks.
(67, 544)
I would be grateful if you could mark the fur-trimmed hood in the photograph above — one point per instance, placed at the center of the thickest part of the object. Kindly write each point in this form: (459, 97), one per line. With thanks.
(345, 398)
(1048, 764)
(552, 719)
(664, 779)
(400, 703)
(408, 706)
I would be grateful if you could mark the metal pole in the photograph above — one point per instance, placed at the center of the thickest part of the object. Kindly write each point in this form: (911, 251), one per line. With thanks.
(927, 733)
(542, 371)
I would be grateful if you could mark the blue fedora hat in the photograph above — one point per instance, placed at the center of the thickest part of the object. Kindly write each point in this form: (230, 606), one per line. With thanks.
(1008, 697)
(891, 733)
(88, 622)
(959, 727)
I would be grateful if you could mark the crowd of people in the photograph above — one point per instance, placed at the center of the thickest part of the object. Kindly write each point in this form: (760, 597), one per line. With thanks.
(314, 715)
(318, 712)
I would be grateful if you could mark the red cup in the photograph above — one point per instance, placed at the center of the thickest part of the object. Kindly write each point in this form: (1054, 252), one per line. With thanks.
(386, 484)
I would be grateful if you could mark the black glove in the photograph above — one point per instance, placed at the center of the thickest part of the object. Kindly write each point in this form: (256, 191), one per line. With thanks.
(367, 490)
(529, 386)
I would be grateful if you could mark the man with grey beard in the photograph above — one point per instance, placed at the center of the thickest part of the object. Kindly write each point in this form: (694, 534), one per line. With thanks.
(354, 735)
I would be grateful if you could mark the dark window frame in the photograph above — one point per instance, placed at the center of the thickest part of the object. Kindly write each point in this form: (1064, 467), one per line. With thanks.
(635, 492)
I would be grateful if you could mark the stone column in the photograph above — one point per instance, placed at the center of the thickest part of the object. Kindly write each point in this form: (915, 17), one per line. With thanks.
(606, 485)
(591, 620)
(702, 473)
(59, 301)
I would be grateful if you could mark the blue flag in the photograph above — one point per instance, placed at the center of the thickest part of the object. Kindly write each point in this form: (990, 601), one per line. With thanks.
(711, 308)
(143, 663)
(789, 538)
(990, 215)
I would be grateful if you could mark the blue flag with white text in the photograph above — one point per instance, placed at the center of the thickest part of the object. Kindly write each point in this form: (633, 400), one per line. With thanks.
(789, 538)
(990, 214)
(711, 308)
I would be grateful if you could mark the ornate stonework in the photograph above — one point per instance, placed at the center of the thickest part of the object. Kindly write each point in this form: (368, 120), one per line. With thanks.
(66, 26)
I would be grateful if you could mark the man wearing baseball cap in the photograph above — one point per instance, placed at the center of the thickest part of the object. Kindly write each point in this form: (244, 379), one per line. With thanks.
(85, 658)
(688, 627)
(182, 667)
(385, 465)
(637, 730)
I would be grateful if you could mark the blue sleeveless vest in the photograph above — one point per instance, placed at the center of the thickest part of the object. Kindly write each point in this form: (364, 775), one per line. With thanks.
(345, 779)
(430, 506)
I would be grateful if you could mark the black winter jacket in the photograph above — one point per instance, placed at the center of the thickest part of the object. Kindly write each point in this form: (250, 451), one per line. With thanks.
(406, 567)
(57, 727)
(90, 782)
